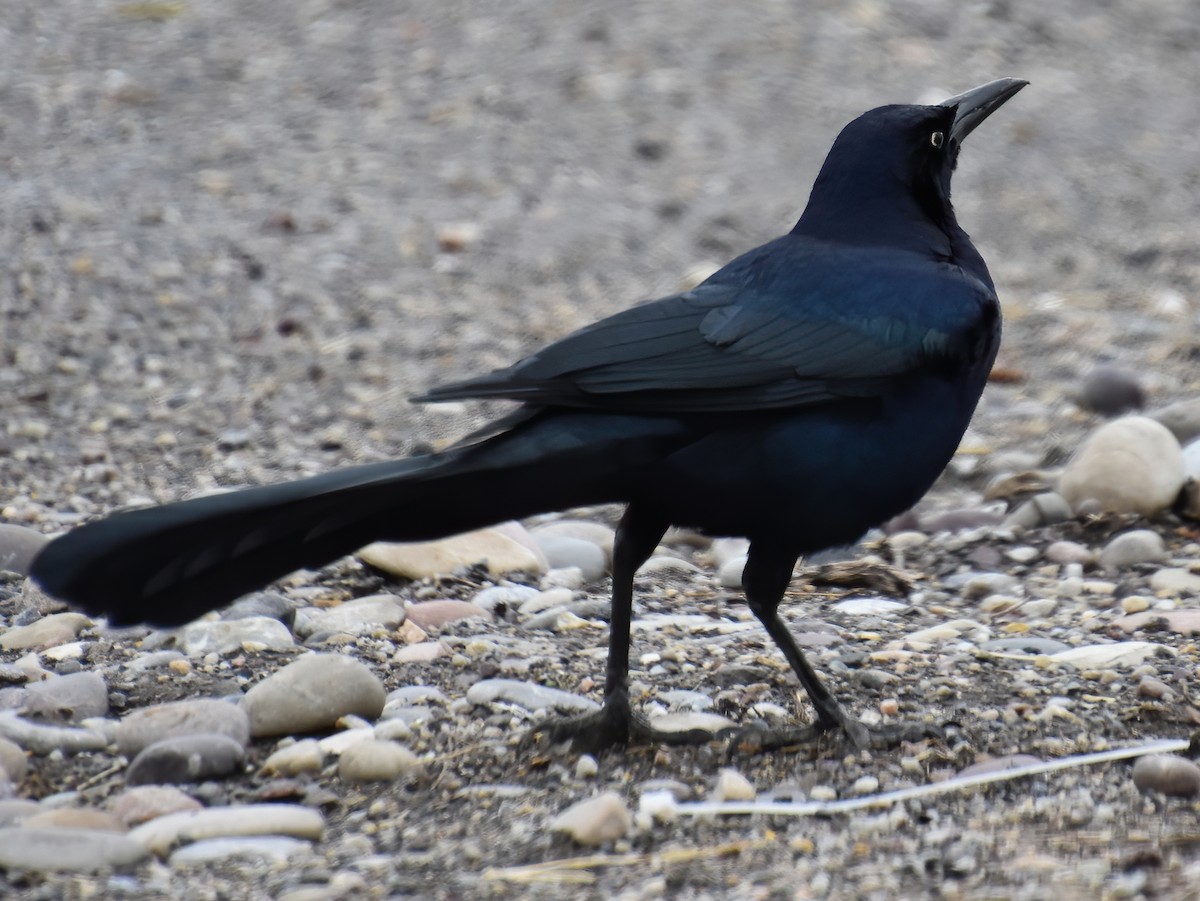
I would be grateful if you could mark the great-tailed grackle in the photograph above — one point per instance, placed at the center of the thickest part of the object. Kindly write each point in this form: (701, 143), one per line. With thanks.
(812, 388)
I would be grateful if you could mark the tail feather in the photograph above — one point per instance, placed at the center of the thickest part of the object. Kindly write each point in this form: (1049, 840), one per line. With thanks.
(167, 565)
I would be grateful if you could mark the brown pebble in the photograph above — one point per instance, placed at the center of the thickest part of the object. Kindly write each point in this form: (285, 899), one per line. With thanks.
(1167, 774)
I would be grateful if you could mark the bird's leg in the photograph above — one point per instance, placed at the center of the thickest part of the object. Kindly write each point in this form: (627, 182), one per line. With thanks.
(765, 579)
(615, 722)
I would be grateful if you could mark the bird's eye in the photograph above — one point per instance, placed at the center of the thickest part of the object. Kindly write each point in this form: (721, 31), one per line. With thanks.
(937, 139)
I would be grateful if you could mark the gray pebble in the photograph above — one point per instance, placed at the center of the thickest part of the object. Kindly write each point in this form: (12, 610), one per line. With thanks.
(188, 758)
(597, 820)
(67, 850)
(276, 848)
(528, 695)
(13, 763)
(1175, 581)
(870, 607)
(73, 697)
(1128, 548)
(593, 532)
(1111, 390)
(146, 802)
(570, 577)
(160, 835)
(381, 611)
(1069, 552)
(227, 636)
(1043, 509)
(1027, 644)
(1167, 774)
(18, 546)
(202, 716)
(262, 603)
(563, 551)
(1182, 419)
(41, 739)
(313, 692)
(667, 565)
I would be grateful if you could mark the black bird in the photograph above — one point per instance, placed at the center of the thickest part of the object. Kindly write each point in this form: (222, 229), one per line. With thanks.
(811, 389)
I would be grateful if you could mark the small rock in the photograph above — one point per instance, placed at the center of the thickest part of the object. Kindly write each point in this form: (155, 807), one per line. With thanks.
(313, 692)
(870, 607)
(730, 573)
(67, 850)
(422, 652)
(1185, 622)
(221, 636)
(505, 548)
(1129, 465)
(147, 802)
(74, 818)
(1182, 419)
(18, 546)
(200, 716)
(41, 739)
(598, 820)
(373, 760)
(380, 611)
(1069, 552)
(1025, 644)
(503, 598)
(865, 785)
(586, 767)
(732, 786)
(160, 835)
(275, 848)
(1111, 390)
(1155, 689)
(1167, 774)
(693, 721)
(666, 565)
(1175, 581)
(76, 696)
(528, 695)
(188, 758)
(55, 629)
(593, 532)
(565, 551)
(16, 810)
(13, 763)
(435, 614)
(1105, 656)
(1129, 548)
(291, 760)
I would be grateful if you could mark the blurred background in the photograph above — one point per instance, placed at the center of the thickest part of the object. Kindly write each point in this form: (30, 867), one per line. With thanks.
(236, 236)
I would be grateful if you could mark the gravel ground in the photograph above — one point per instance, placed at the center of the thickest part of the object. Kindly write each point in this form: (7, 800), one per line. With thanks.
(239, 235)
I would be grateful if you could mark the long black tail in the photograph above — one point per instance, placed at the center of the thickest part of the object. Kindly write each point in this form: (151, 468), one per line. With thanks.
(167, 565)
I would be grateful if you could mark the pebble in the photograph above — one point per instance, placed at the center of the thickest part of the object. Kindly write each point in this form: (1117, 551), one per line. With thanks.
(373, 760)
(1111, 390)
(435, 614)
(570, 577)
(1185, 622)
(175, 719)
(74, 818)
(592, 532)
(275, 848)
(586, 767)
(1155, 689)
(1181, 418)
(664, 564)
(1120, 653)
(188, 758)
(422, 652)
(1026, 644)
(730, 573)
(505, 548)
(1167, 774)
(528, 695)
(303, 756)
(499, 598)
(313, 692)
(368, 614)
(55, 629)
(16, 810)
(1175, 581)
(147, 802)
(18, 546)
(732, 786)
(75, 697)
(220, 636)
(13, 762)
(693, 721)
(870, 607)
(1069, 552)
(1129, 548)
(1129, 465)
(564, 551)
(596, 821)
(1043, 509)
(865, 785)
(160, 835)
(42, 739)
(67, 850)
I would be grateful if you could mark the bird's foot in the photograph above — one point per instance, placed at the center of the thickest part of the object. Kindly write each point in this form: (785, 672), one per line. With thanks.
(613, 724)
(755, 739)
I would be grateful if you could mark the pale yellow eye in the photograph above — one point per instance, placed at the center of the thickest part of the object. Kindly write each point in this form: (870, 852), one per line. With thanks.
(937, 139)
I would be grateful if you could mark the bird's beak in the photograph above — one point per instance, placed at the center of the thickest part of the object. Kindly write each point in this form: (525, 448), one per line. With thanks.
(978, 103)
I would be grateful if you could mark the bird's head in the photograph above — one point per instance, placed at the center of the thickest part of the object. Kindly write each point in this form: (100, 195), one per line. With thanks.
(886, 180)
